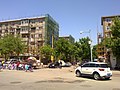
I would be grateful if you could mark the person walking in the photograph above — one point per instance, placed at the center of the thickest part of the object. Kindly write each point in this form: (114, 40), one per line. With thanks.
(26, 67)
(0, 65)
(60, 65)
(30, 67)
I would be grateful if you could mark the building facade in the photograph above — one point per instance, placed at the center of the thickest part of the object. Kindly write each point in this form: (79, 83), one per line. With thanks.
(69, 38)
(35, 32)
(107, 22)
(100, 48)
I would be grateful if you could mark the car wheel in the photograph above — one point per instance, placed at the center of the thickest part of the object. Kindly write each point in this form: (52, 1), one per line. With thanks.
(78, 73)
(96, 76)
(107, 78)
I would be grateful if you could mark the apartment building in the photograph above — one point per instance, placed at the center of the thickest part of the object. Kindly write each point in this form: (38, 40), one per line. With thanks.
(107, 22)
(35, 32)
(100, 48)
(69, 38)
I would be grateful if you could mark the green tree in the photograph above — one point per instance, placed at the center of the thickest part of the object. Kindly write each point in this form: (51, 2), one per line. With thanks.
(19, 46)
(46, 52)
(77, 51)
(85, 48)
(82, 50)
(64, 50)
(10, 45)
(115, 40)
(94, 52)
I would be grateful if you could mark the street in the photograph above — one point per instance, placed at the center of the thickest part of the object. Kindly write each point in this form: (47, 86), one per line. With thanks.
(54, 79)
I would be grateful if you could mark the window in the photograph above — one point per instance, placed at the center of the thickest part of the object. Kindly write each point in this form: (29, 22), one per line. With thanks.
(32, 21)
(40, 21)
(33, 29)
(108, 35)
(6, 31)
(24, 21)
(32, 36)
(107, 27)
(24, 36)
(102, 65)
(18, 29)
(24, 28)
(40, 35)
(92, 65)
(40, 43)
(32, 43)
(41, 27)
(0, 31)
(97, 65)
(108, 19)
(85, 65)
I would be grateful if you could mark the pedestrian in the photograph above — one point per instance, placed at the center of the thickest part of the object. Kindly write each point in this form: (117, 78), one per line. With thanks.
(26, 67)
(17, 65)
(0, 65)
(20, 67)
(9, 66)
(30, 67)
(60, 65)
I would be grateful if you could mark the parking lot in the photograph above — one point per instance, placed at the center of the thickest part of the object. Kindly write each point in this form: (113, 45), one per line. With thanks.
(54, 79)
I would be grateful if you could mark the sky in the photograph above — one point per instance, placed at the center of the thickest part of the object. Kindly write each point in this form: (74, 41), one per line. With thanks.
(73, 16)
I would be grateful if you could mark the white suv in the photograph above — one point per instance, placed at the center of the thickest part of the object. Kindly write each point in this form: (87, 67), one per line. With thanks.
(97, 70)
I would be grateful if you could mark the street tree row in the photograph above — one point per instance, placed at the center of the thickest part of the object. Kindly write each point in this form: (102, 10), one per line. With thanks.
(69, 52)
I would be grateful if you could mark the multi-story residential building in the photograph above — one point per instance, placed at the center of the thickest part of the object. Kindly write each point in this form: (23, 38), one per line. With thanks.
(100, 47)
(69, 38)
(35, 32)
(107, 22)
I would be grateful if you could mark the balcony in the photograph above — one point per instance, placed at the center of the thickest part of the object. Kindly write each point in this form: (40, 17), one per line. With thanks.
(12, 31)
(40, 39)
(24, 32)
(25, 24)
(24, 39)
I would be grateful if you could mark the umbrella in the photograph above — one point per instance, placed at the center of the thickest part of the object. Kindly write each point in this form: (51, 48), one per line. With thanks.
(32, 58)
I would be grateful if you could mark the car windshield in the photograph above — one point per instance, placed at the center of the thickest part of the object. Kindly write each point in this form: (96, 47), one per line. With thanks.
(102, 65)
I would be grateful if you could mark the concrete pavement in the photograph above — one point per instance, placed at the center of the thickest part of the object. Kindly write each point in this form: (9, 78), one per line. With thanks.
(54, 79)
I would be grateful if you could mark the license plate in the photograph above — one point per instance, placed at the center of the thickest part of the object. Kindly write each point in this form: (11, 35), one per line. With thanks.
(109, 74)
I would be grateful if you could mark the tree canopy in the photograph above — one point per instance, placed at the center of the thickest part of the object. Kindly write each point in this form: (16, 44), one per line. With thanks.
(46, 52)
(64, 49)
(85, 48)
(10, 45)
(116, 37)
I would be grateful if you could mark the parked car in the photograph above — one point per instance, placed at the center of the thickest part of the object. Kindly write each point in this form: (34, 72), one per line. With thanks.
(67, 64)
(13, 60)
(53, 65)
(98, 70)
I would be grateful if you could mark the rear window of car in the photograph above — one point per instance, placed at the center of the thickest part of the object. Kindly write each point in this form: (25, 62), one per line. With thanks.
(102, 65)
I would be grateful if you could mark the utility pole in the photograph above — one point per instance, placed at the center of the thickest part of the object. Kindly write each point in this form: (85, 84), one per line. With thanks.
(52, 57)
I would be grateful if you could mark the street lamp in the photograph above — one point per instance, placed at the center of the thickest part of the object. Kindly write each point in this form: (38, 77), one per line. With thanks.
(89, 42)
(91, 47)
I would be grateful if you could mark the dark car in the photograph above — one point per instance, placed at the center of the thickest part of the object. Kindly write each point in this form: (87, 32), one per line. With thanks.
(54, 65)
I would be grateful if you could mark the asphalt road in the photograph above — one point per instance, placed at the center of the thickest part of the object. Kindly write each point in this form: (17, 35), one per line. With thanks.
(54, 79)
